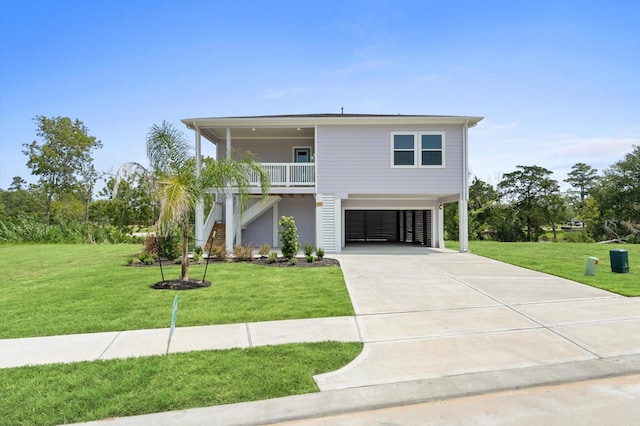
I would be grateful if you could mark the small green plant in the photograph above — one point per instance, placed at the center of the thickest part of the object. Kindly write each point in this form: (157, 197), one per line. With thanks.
(142, 257)
(264, 250)
(293, 261)
(308, 249)
(197, 254)
(309, 258)
(243, 253)
(148, 260)
(319, 253)
(273, 257)
(177, 261)
(289, 237)
(130, 261)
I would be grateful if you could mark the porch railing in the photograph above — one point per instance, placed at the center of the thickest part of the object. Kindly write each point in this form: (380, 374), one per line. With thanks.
(288, 174)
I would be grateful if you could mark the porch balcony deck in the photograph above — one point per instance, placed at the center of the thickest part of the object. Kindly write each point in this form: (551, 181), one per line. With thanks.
(288, 174)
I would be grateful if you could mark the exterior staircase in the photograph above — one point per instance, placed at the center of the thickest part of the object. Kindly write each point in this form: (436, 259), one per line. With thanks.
(217, 237)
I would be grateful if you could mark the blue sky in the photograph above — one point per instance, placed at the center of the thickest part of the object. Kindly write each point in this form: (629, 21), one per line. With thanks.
(558, 82)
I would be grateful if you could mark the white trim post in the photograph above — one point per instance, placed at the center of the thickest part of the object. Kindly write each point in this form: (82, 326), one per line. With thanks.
(463, 222)
(200, 237)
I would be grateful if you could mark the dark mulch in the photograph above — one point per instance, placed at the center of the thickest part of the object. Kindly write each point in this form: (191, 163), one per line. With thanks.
(180, 285)
(282, 262)
(301, 262)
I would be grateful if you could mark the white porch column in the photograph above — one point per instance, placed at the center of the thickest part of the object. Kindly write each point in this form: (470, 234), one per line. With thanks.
(463, 224)
(200, 237)
(339, 239)
(276, 220)
(440, 225)
(229, 226)
(319, 207)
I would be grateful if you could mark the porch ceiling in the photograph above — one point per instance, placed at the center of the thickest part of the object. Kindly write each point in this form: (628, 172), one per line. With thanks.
(217, 134)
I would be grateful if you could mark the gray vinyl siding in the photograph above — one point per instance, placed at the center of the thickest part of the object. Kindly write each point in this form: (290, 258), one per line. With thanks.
(266, 150)
(302, 209)
(357, 160)
(259, 231)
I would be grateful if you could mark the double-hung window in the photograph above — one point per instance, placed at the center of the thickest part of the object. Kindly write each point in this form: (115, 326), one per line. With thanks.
(417, 149)
(431, 150)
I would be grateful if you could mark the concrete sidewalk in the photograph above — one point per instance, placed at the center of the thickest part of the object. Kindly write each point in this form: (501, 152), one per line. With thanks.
(136, 343)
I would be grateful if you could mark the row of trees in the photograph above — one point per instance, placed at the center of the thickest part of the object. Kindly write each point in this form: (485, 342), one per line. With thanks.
(528, 201)
(167, 191)
(67, 179)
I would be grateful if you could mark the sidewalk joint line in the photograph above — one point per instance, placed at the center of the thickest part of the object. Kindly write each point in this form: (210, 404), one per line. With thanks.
(246, 324)
(109, 345)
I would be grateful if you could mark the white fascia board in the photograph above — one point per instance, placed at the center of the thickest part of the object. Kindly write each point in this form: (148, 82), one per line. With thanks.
(234, 122)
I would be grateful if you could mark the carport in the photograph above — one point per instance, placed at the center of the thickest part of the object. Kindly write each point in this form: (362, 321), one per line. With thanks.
(389, 226)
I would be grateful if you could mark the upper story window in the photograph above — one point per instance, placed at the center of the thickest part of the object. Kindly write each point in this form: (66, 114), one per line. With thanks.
(417, 149)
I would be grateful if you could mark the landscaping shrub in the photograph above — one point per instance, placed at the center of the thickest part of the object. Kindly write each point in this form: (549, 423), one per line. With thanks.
(219, 252)
(319, 253)
(289, 237)
(152, 245)
(243, 253)
(273, 257)
(170, 246)
(309, 258)
(264, 250)
(308, 249)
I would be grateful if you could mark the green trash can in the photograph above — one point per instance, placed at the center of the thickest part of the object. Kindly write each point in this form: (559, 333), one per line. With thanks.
(619, 261)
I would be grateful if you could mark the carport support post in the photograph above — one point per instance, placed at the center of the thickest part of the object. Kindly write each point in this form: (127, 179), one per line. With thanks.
(463, 224)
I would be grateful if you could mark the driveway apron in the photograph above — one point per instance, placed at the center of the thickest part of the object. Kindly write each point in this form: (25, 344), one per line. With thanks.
(428, 313)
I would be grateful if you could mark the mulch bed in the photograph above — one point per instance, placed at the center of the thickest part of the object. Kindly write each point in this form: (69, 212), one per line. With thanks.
(180, 285)
(281, 263)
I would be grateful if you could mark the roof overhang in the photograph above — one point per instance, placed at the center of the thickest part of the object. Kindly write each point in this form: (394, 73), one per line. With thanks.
(214, 128)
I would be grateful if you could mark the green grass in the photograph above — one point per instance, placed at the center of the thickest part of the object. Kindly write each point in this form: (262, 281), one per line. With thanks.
(66, 393)
(66, 289)
(567, 260)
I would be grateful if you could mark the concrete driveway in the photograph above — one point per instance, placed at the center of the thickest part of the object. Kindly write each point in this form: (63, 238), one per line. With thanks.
(429, 313)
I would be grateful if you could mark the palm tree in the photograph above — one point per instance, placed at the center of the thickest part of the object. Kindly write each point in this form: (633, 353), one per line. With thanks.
(179, 189)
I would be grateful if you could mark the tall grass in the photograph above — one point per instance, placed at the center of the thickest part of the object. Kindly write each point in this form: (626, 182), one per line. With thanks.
(28, 230)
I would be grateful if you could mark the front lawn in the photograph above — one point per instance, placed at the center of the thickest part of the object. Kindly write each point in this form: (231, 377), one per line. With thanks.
(567, 260)
(67, 289)
(78, 392)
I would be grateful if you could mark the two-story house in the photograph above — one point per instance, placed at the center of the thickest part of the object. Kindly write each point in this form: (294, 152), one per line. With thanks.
(345, 178)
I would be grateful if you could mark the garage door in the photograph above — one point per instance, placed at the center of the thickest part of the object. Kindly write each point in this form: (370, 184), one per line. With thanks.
(371, 225)
(411, 226)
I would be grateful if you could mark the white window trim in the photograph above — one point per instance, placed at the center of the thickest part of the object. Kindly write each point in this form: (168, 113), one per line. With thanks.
(415, 142)
(419, 151)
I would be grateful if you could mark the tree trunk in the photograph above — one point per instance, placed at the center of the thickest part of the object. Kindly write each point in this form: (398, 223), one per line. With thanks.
(185, 250)
(48, 217)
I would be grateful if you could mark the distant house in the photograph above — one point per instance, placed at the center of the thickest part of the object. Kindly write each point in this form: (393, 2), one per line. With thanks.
(345, 178)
